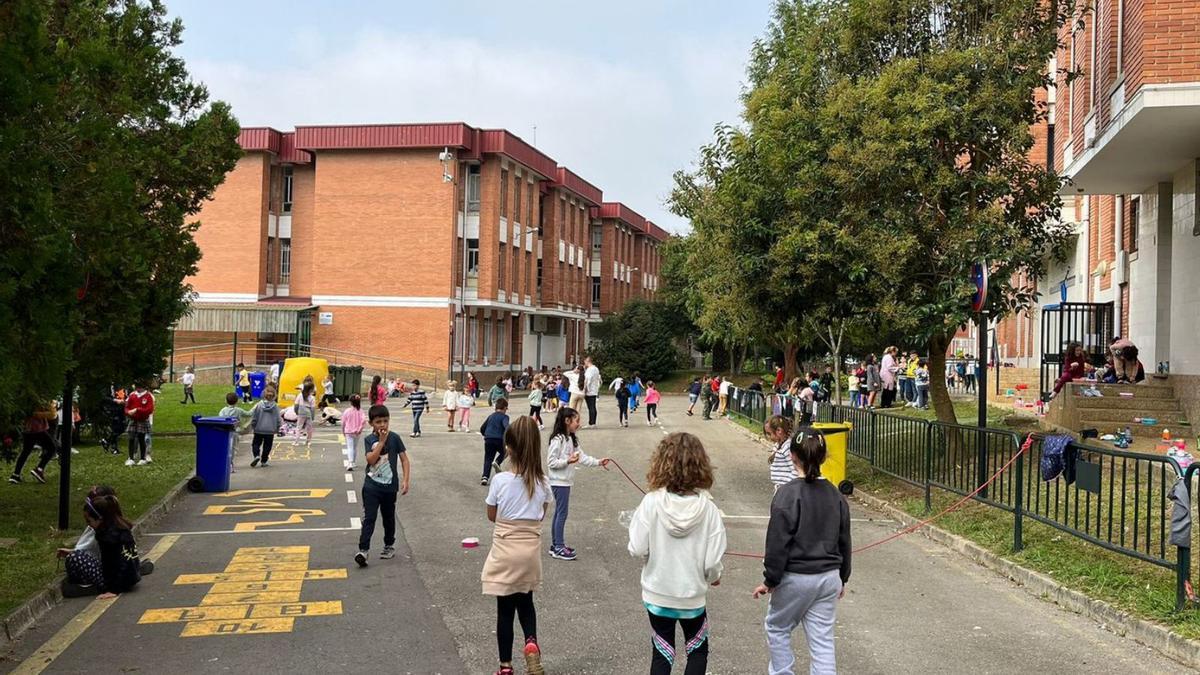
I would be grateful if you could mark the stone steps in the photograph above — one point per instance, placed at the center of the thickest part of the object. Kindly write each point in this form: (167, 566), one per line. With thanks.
(1137, 405)
(1110, 417)
(1139, 391)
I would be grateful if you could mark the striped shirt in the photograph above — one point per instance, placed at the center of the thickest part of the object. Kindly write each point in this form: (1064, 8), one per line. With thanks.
(782, 469)
(418, 400)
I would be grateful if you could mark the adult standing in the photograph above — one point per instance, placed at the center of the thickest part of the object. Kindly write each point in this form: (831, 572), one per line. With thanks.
(887, 373)
(591, 388)
(575, 388)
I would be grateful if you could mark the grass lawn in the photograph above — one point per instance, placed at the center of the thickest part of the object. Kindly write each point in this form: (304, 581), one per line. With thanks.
(172, 417)
(29, 511)
(1145, 590)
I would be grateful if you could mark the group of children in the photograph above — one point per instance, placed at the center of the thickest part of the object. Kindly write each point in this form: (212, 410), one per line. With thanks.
(627, 392)
(678, 532)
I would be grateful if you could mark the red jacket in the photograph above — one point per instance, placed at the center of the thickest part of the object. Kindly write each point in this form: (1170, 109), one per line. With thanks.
(139, 406)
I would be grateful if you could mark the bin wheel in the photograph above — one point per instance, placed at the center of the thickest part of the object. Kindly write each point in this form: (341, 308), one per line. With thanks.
(846, 487)
(195, 484)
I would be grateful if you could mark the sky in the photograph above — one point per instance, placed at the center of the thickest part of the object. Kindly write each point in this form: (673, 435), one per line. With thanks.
(622, 92)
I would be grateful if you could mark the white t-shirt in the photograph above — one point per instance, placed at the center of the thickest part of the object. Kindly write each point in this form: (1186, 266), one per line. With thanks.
(188, 379)
(575, 386)
(723, 390)
(507, 493)
(591, 379)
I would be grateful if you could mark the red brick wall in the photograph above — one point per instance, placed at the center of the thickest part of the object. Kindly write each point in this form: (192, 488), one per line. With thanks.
(415, 335)
(1171, 41)
(233, 229)
(303, 229)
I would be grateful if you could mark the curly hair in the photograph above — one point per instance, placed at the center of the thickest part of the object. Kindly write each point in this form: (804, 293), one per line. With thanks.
(680, 465)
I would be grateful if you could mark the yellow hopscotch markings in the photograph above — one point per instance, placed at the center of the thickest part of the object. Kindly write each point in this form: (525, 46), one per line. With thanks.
(242, 601)
(60, 641)
(268, 501)
(289, 454)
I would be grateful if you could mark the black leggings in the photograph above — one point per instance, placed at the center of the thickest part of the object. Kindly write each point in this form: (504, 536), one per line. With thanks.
(651, 411)
(535, 411)
(29, 439)
(662, 651)
(520, 604)
(622, 412)
(493, 449)
(137, 441)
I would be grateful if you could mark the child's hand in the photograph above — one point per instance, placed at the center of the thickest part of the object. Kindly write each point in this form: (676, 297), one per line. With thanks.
(573, 458)
(604, 463)
(716, 583)
(63, 552)
(842, 593)
(761, 590)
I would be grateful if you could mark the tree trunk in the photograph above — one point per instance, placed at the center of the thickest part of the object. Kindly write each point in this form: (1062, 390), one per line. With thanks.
(942, 405)
(790, 367)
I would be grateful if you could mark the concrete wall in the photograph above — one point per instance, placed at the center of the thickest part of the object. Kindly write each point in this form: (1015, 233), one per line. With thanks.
(1185, 275)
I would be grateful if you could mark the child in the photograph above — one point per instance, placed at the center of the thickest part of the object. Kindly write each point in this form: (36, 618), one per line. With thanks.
(498, 391)
(921, 377)
(535, 401)
(652, 398)
(677, 531)
(561, 458)
(852, 387)
(779, 430)
(306, 410)
(189, 381)
(264, 422)
(109, 565)
(693, 392)
(807, 561)
(564, 392)
(36, 433)
(243, 418)
(623, 405)
(384, 451)
(450, 404)
(377, 395)
(139, 406)
(516, 503)
(493, 439)
(465, 403)
(244, 382)
(418, 401)
(327, 391)
(550, 394)
(635, 390)
(353, 422)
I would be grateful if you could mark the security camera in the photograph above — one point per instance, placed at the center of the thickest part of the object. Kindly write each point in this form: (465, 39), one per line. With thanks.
(445, 155)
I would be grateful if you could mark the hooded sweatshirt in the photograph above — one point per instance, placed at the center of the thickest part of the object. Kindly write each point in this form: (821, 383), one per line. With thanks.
(265, 417)
(682, 539)
(558, 461)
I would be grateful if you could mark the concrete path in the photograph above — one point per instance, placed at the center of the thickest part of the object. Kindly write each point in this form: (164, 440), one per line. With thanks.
(911, 605)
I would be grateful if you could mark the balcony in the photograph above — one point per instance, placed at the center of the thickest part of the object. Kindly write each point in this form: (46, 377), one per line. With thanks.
(1147, 141)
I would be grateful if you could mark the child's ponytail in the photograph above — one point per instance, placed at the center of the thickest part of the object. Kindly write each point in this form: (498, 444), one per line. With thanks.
(808, 450)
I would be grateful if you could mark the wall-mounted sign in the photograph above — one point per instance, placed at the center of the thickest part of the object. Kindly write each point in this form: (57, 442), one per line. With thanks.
(325, 318)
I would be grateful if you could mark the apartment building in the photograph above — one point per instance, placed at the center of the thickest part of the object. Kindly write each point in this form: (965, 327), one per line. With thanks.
(443, 245)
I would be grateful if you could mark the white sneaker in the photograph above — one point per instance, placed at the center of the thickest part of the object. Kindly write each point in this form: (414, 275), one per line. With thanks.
(129, 462)
(149, 459)
(74, 451)
(142, 462)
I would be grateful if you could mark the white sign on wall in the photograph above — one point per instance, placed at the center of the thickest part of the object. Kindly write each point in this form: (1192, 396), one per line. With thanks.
(325, 318)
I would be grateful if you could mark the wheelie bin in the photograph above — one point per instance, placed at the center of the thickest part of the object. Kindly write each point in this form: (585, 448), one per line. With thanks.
(214, 453)
(837, 441)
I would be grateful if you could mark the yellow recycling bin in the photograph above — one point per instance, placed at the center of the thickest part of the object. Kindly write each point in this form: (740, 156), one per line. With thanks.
(294, 372)
(837, 442)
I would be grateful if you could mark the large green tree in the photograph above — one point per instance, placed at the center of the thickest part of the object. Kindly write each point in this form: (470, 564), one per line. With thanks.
(107, 148)
(641, 338)
(933, 121)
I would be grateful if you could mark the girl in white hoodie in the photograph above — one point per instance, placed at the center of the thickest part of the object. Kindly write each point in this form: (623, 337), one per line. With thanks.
(563, 455)
(678, 530)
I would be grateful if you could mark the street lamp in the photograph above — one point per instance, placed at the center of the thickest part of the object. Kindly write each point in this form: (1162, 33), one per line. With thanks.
(446, 157)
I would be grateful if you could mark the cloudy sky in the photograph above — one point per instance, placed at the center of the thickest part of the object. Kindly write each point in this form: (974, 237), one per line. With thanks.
(622, 92)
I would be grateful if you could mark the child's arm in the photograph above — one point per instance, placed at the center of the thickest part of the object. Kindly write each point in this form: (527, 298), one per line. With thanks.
(558, 456)
(639, 531)
(376, 450)
(785, 518)
(406, 467)
(844, 546)
(491, 512)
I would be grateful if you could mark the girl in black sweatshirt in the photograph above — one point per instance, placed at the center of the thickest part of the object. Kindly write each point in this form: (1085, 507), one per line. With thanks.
(119, 568)
(807, 562)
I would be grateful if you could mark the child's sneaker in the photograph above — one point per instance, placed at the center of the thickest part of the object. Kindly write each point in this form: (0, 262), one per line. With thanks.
(562, 553)
(496, 465)
(533, 657)
(38, 473)
(142, 462)
(146, 567)
(505, 670)
(129, 462)
(149, 459)
(361, 558)
(14, 479)
(388, 553)
(254, 462)
(483, 480)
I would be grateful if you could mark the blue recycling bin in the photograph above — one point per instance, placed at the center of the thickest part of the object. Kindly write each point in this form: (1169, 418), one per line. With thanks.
(214, 453)
(258, 382)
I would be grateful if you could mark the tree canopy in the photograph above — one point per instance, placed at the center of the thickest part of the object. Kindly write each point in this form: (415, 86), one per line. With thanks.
(641, 338)
(107, 148)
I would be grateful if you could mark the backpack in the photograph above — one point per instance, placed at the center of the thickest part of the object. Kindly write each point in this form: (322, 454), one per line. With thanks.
(1058, 457)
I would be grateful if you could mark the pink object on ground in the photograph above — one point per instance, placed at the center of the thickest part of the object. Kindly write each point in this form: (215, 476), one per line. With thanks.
(470, 542)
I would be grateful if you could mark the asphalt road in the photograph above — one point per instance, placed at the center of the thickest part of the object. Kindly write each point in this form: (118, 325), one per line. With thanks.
(290, 598)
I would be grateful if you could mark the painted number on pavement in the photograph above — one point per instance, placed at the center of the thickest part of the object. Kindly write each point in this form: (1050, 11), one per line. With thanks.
(253, 502)
(258, 592)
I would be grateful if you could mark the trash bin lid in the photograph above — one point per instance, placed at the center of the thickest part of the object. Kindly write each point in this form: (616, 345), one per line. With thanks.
(199, 421)
(827, 428)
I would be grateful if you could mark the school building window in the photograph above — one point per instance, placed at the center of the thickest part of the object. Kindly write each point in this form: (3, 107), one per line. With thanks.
(472, 257)
(287, 189)
(517, 198)
(504, 193)
(285, 261)
(595, 292)
(1134, 210)
(473, 189)
(472, 338)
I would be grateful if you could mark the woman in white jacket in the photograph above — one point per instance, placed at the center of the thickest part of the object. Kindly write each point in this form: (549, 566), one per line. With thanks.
(678, 530)
(563, 455)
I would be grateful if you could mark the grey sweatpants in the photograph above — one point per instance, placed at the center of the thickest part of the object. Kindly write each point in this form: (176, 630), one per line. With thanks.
(807, 598)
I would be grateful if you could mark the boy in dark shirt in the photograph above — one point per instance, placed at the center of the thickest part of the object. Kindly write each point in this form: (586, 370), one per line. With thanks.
(384, 451)
(493, 439)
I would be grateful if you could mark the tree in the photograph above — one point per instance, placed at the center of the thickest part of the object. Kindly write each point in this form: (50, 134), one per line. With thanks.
(638, 339)
(933, 121)
(106, 149)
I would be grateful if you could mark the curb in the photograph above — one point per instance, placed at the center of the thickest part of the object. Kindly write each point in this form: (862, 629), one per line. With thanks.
(1152, 635)
(24, 616)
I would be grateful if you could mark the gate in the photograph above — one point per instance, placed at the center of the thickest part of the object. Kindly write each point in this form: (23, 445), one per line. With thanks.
(1088, 323)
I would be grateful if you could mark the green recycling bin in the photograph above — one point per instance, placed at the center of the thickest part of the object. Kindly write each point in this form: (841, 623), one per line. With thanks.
(347, 380)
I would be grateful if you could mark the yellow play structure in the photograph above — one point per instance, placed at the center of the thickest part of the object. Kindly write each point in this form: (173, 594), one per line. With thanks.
(294, 372)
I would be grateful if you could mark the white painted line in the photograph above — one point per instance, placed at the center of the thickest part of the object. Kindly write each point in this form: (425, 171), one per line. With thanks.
(349, 477)
(356, 523)
(270, 529)
(351, 496)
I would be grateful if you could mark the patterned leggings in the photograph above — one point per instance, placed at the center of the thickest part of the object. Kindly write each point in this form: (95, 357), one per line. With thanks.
(695, 633)
(84, 569)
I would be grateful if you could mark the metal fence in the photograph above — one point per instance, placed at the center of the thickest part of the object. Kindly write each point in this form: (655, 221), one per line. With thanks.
(1118, 500)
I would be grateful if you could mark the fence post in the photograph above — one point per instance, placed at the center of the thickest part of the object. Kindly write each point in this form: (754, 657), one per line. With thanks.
(171, 368)
(235, 361)
(928, 466)
(1019, 506)
(1183, 559)
(873, 434)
